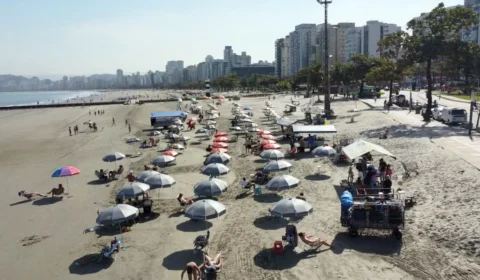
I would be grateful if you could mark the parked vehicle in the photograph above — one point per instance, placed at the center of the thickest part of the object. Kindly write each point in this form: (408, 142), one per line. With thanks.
(437, 113)
(453, 115)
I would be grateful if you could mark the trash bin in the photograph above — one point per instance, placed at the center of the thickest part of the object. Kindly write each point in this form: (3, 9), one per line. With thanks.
(418, 109)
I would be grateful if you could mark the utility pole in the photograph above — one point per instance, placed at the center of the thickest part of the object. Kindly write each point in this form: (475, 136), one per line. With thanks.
(326, 75)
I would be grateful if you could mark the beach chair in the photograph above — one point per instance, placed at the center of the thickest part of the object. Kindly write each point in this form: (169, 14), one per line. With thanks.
(291, 236)
(201, 242)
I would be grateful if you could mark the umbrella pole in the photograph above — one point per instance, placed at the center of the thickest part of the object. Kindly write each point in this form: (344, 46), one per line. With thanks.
(68, 188)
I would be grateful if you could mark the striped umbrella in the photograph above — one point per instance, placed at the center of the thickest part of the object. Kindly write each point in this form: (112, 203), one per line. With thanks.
(218, 150)
(132, 190)
(215, 169)
(290, 208)
(221, 134)
(272, 155)
(282, 182)
(66, 171)
(160, 181)
(266, 142)
(163, 160)
(220, 139)
(222, 158)
(219, 145)
(205, 209)
(268, 137)
(209, 188)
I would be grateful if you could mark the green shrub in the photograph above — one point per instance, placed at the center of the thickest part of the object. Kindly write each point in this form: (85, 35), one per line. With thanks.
(381, 93)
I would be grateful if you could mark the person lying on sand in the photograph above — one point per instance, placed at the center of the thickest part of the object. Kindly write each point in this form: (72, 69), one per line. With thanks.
(183, 200)
(30, 195)
(192, 270)
(313, 241)
(57, 191)
(212, 265)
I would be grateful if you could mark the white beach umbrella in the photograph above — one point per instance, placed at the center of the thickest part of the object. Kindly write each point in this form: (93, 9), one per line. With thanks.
(144, 175)
(290, 208)
(252, 125)
(209, 188)
(113, 157)
(215, 169)
(132, 190)
(222, 158)
(160, 181)
(117, 214)
(283, 182)
(279, 165)
(163, 160)
(236, 128)
(324, 151)
(272, 155)
(205, 210)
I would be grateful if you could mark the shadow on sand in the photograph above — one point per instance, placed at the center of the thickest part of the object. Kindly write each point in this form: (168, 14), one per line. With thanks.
(47, 200)
(194, 226)
(20, 202)
(317, 177)
(243, 195)
(152, 216)
(266, 259)
(373, 244)
(267, 198)
(177, 260)
(87, 265)
(270, 223)
(99, 182)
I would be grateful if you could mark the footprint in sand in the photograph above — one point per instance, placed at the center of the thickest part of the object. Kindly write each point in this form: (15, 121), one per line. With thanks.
(31, 240)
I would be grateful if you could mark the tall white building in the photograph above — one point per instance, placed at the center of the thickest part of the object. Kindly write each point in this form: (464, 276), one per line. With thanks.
(472, 34)
(353, 42)
(372, 33)
(119, 80)
(300, 42)
(228, 57)
(173, 66)
(279, 49)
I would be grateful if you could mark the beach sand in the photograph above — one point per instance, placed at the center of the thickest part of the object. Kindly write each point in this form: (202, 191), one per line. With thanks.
(43, 239)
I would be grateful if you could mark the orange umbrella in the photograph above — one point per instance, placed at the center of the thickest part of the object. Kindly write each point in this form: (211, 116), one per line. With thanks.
(271, 147)
(220, 139)
(221, 134)
(266, 142)
(262, 132)
(268, 137)
(170, 153)
(220, 145)
(218, 150)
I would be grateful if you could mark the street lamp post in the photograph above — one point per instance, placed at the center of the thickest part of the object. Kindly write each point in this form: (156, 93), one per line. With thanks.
(326, 76)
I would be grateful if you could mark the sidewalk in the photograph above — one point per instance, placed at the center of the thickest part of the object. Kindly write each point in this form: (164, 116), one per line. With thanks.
(454, 139)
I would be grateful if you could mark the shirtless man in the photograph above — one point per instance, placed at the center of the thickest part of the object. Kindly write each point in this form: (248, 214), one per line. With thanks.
(212, 265)
(192, 271)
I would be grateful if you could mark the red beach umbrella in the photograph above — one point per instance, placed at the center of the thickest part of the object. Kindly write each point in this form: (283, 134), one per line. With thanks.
(218, 150)
(264, 132)
(220, 139)
(272, 147)
(171, 153)
(268, 137)
(221, 134)
(220, 145)
(266, 142)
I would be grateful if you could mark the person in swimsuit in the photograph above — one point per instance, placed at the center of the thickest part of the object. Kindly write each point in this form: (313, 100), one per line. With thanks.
(57, 191)
(30, 195)
(192, 271)
(213, 265)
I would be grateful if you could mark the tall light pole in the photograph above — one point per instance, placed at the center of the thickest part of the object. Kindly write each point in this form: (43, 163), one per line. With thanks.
(326, 76)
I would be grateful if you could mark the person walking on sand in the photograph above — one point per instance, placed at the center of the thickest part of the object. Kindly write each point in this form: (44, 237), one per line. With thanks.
(192, 270)
(129, 128)
(126, 122)
(70, 130)
(113, 121)
(95, 113)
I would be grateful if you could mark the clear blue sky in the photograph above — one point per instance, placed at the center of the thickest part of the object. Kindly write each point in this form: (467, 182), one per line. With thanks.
(72, 37)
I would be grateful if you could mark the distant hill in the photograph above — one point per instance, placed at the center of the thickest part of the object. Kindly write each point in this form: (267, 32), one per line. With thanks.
(7, 78)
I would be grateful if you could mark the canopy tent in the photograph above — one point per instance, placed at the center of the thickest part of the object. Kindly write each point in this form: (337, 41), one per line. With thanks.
(314, 129)
(362, 147)
(286, 122)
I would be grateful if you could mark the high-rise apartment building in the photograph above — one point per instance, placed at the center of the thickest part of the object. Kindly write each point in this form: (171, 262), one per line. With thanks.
(472, 34)
(300, 42)
(173, 66)
(241, 60)
(372, 33)
(353, 42)
(119, 80)
(279, 49)
(228, 57)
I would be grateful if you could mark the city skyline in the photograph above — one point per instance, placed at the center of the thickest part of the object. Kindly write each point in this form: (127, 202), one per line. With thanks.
(53, 38)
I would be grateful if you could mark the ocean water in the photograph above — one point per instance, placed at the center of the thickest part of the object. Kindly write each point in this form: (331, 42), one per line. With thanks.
(43, 97)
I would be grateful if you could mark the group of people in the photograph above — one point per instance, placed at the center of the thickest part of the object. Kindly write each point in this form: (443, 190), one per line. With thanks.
(75, 130)
(371, 178)
(211, 265)
(97, 112)
(54, 192)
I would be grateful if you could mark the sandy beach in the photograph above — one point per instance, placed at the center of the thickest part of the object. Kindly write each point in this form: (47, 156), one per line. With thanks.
(43, 238)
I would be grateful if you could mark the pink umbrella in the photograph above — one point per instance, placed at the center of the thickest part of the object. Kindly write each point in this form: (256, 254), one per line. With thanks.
(66, 171)
(266, 142)
(218, 150)
(272, 147)
(264, 132)
(170, 153)
(220, 139)
(220, 145)
(268, 137)
(221, 134)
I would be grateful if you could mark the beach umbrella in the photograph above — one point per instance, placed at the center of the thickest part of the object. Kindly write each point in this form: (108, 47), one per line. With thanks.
(177, 146)
(205, 209)
(201, 130)
(272, 146)
(213, 106)
(210, 127)
(222, 158)
(113, 157)
(268, 137)
(264, 132)
(253, 129)
(117, 214)
(160, 181)
(209, 188)
(272, 155)
(219, 134)
(215, 169)
(132, 139)
(246, 121)
(283, 182)
(66, 171)
(218, 150)
(266, 142)
(248, 108)
(144, 175)
(219, 145)
(132, 190)
(220, 139)
(171, 153)
(291, 208)
(324, 151)
(236, 128)
(252, 125)
(278, 165)
(162, 160)
(179, 100)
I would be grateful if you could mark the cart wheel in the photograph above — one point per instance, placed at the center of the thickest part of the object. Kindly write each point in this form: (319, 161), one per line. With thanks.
(353, 232)
(397, 234)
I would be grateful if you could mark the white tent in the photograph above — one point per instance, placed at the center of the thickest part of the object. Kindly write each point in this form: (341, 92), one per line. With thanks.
(362, 147)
